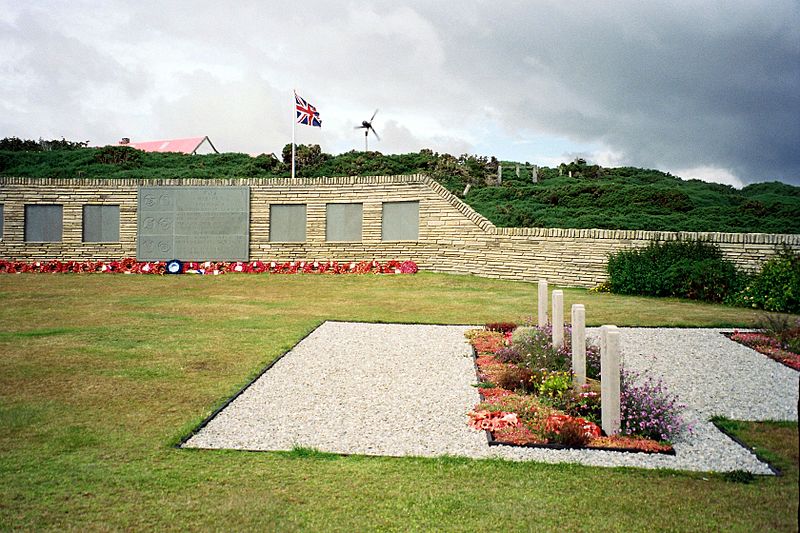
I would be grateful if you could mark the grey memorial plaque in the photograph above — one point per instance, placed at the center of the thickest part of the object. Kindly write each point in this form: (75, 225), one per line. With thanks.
(400, 221)
(43, 223)
(100, 223)
(193, 224)
(343, 222)
(287, 223)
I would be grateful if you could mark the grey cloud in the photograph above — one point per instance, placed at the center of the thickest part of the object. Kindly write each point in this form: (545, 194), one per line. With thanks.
(53, 80)
(669, 85)
(397, 138)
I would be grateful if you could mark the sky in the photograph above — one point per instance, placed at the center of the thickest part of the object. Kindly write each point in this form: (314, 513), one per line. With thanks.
(707, 90)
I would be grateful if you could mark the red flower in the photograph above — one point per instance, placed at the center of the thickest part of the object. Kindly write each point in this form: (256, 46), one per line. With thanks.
(554, 422)
(127, 264)
(491, 420)
(408, 267)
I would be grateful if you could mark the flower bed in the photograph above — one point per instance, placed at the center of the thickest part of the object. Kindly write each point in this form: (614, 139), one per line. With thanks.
(528, 397)
(768, 345)
(131, 266)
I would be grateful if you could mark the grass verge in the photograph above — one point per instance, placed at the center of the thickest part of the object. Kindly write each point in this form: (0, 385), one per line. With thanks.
(100, 375)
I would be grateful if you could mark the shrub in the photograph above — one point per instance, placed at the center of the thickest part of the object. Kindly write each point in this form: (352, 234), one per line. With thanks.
(537, 350)
(509, 354)
(502, 327)
(647, 409)
(553, 385)
(776, 287)
(782, 328)
(584, 403)
(124, 156)
(533, 347)
(572, 434)
(684, 269)
(513, 378)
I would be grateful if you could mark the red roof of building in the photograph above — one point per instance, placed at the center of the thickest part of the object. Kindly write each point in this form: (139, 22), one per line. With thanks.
(185, 146)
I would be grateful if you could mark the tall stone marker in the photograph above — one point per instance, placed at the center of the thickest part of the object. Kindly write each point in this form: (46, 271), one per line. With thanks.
(579, 344)
(193, 224)
(558, 319)
(542, 310)
(609, 379)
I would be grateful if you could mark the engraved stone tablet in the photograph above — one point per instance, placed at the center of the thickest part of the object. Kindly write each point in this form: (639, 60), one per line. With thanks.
(287, 222)
(43, 223)
(193, 224)
(100, 223)
(400, 221)
(343, 222)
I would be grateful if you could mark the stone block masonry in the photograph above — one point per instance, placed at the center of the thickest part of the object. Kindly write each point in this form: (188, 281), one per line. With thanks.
(452, 237)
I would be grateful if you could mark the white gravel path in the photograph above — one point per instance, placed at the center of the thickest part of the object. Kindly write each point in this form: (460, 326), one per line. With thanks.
(395, 389)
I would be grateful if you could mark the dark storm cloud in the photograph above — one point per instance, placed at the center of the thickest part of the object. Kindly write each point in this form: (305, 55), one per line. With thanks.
(678, 85)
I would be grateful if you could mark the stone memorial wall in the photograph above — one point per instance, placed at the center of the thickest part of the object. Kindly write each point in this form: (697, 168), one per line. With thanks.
(449, 236)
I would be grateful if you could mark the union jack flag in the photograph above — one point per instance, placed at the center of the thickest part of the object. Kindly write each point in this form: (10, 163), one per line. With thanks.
(306, 113)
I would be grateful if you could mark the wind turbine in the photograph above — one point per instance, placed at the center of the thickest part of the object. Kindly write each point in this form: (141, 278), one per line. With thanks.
(366, 125)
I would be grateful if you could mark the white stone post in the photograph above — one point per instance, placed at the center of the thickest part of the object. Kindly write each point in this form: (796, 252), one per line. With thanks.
(558, 319)
(542, 311)
(609, 379)
(535, 174)
(517, 170)
(579, 344)
(500, 174)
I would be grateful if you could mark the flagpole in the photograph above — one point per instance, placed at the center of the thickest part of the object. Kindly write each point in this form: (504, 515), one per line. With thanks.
(294, 126)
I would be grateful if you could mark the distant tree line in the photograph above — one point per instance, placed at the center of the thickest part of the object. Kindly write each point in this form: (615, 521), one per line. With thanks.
(14, 144)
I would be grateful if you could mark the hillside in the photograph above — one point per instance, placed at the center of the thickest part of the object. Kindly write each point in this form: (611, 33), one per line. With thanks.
(595, 197)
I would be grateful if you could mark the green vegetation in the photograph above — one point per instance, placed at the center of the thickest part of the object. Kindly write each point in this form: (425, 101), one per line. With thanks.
(684, 269)
(776, 287)
(697, 270)
(594, 197)
(101, 374)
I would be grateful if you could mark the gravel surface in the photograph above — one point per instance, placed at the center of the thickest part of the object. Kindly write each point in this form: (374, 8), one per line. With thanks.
(394, 389)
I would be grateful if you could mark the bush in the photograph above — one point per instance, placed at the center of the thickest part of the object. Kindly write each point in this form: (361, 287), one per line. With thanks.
(508, 354)
(572, 434)
(532, 347)
(124, 156)
(554, 385)
(585, 403)
(684, 269)
(647, 409)
(776, 287)
(513, 378)
(502, 327)
(535, 345)
(782, 328)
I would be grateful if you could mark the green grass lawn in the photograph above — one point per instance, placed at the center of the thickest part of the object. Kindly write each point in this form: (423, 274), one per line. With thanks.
(101, 374)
